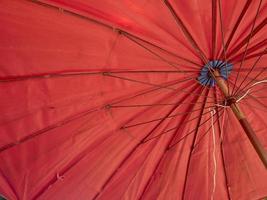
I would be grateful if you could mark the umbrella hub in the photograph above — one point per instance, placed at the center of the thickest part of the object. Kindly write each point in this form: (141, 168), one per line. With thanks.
(205, 77)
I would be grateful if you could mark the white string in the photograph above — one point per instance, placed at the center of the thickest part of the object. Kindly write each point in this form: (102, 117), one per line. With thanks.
(212, 112)
(246, 93)
(220, 105)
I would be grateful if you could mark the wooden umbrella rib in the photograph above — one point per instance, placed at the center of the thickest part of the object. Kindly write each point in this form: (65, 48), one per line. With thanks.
(171, 116)
(154, 53)
(193, 131)
(254, 48)
(221, 131)
(120, 30)
(247, 44)
(47, 129)
(223, 160)
(252, 68)
(151, 84)
(223, 43)
(162, 157)
(207, 131)
(251, 81)
(160, 48)
(214, 27)
(243, 12)
(174, 128)
(191, 148)
(135, 148)
(187, 34)
(244, 41)
(147, 91)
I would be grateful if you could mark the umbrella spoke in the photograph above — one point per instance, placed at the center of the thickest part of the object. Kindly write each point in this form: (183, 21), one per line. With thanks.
(247, 44)
(119, 30)
(263, 108)
(161, 158)
(192, 144)
(214, 21)
(152, 105)
(223, 43)
(138, 41)
(85, 73)
(187, 34)
(152, 84)
(207, 131)
(171, 129)
(243, 12)
(252, 56)
(47, 129)
(154, 53)
(136, 147)
(171, 116)
(236, 59)
(243, 42)
(147, 91)
(195, 129)
(256, 62)
(251, 81)
(221, 129)
(248, 69)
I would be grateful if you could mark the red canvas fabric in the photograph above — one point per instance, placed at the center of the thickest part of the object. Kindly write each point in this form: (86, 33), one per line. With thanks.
(70, 120)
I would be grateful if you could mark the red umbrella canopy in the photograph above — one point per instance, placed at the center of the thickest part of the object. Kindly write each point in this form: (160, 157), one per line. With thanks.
(133, 99)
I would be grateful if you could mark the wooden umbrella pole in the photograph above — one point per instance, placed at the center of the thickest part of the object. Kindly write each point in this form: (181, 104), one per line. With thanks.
(241, 118)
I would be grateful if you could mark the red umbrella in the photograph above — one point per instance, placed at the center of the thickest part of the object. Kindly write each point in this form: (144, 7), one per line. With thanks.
(133, 99)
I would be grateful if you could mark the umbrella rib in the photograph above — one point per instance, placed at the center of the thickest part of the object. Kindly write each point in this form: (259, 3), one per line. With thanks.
(191, 149)
(259, 102)
(249, 51)
(131, 36)
(248, 95)
(207, 131)
(253, 92)
(214, 22)
(251, 56)
(155, 88)
(223, 43)
(154, 120)
(187, 34)
(244, 41)
(74, 162)
(152, 105)
(84, 73)
(252, 79)
(162, 157)
(134, 149)
(247, 44)
(248, 69)
(192, 131)
(243, 12)
(46, 129)
(151, 84)
(258, 108)
(254, 65)
(170, 95)
(221, 145)
(154, 53)
(38, 2)
(171, 129)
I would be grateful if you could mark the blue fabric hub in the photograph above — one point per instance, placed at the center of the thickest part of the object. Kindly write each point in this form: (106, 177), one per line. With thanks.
(205, 79)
